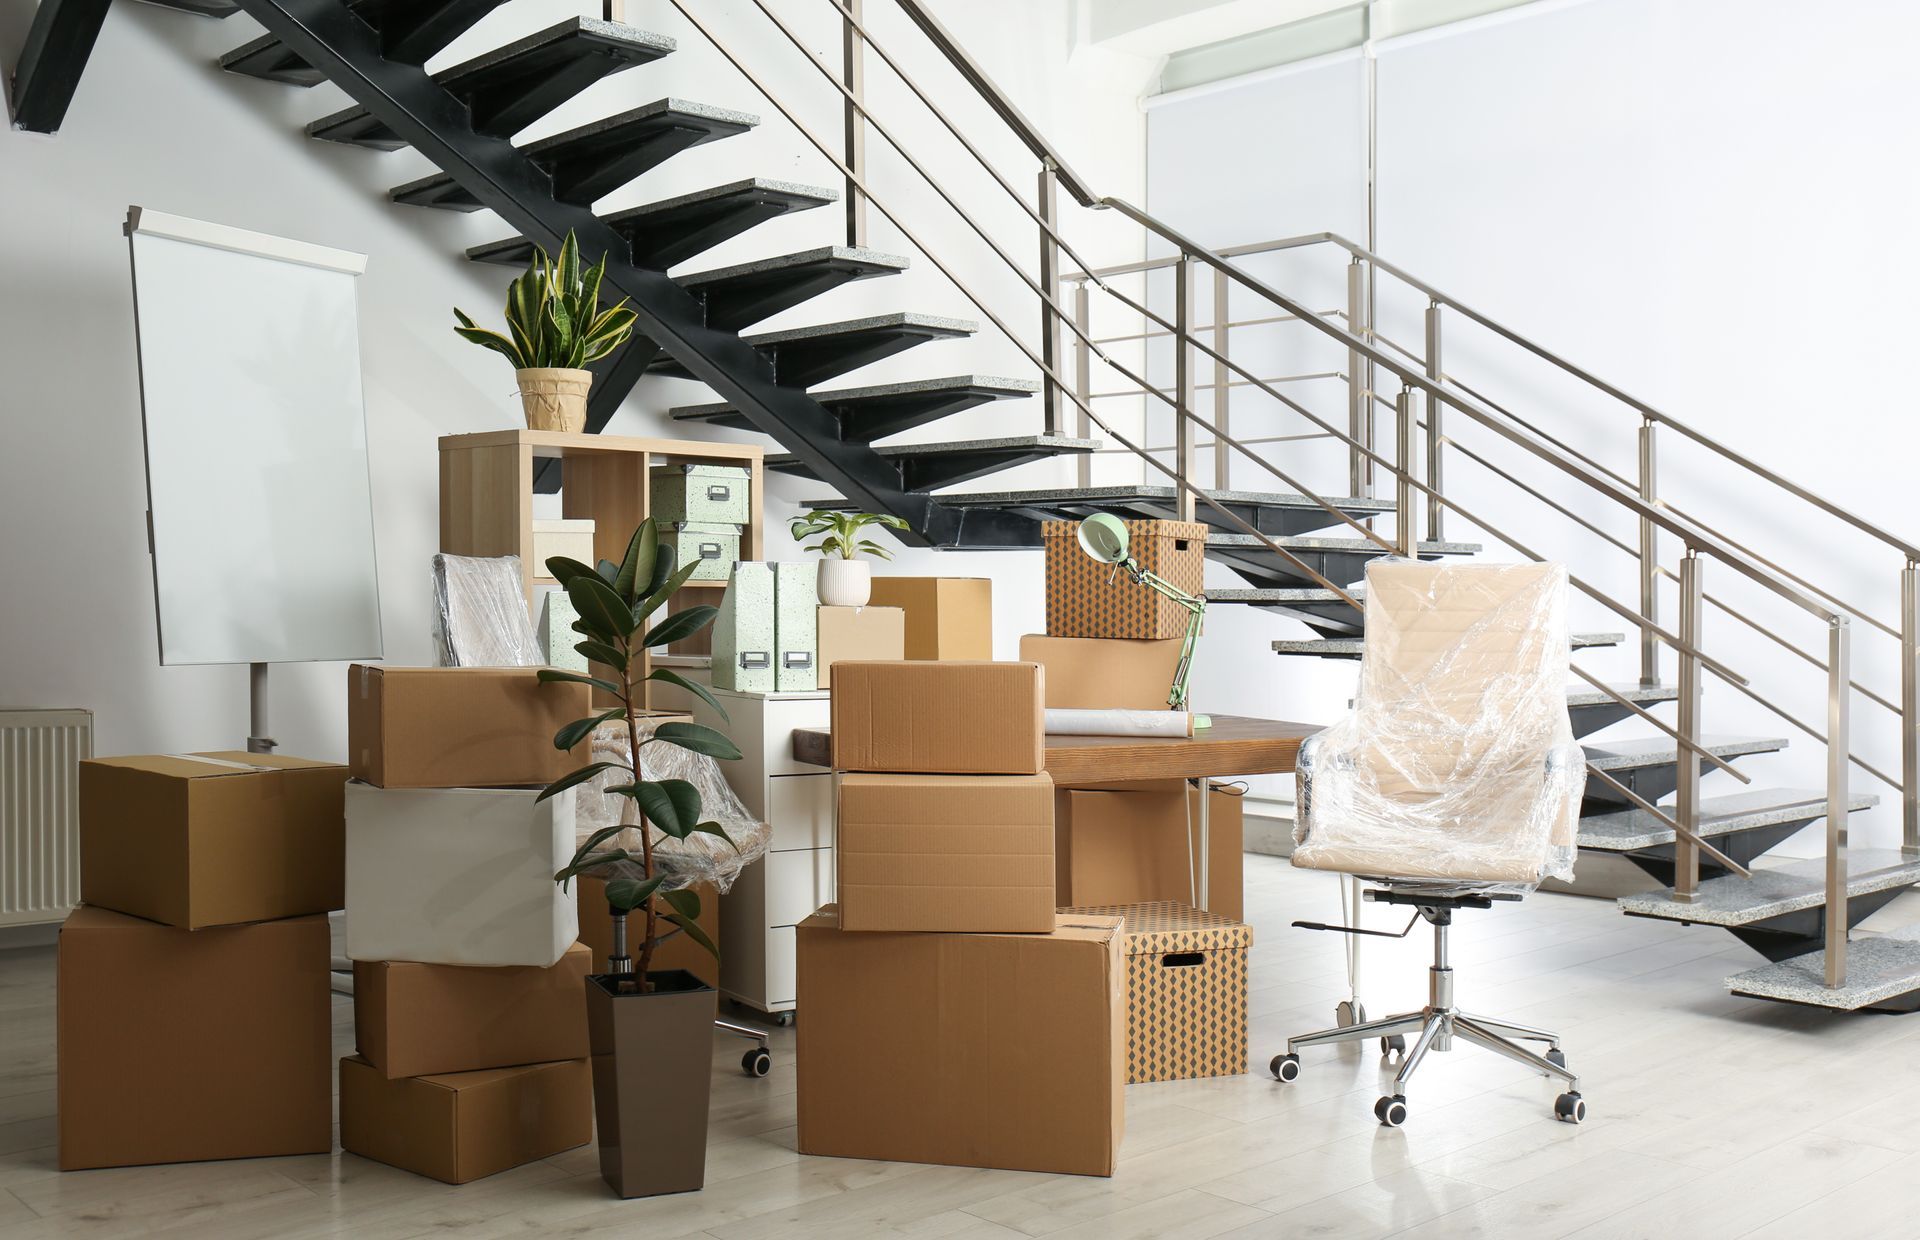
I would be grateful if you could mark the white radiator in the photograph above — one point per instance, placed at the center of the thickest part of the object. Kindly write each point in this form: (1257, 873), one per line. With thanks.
(40, 753)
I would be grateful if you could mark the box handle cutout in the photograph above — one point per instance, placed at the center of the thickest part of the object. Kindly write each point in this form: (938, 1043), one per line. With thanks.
(798, 658)
(709, 551)
(717, 493)
(755, 659)
(1183, 960)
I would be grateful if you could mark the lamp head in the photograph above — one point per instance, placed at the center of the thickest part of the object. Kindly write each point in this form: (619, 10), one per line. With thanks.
(1103, 537)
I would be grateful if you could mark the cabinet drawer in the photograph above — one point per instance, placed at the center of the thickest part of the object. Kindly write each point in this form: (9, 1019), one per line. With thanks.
(782, 717)
(797, 884)
(800, 807)
(782, 975)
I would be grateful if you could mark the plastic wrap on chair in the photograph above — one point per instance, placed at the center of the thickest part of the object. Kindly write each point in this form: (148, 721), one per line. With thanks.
(480, 616)
(1458, 762)
(700, 858)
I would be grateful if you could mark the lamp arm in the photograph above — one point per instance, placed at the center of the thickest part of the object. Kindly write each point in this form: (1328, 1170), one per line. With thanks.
(1153, 581)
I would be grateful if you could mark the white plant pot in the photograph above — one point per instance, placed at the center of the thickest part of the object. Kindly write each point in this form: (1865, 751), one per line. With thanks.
(845, 583)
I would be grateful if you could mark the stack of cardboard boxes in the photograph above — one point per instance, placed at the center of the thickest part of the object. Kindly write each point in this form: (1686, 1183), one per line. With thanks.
(469, 1012)
(950, 1014)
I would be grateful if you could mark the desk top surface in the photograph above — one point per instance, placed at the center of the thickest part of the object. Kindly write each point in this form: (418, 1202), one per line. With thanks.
(1234, 745)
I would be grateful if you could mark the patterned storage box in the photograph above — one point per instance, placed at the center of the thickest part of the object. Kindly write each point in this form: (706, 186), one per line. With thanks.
(701, 493)
(1186, 990)
(1086, 598)
(743, 631)
(713, 546)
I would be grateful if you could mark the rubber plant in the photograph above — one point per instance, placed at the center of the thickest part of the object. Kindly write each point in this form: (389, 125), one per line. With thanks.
(616, 603)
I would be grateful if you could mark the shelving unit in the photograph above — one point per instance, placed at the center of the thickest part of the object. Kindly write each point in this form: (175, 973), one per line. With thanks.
(486, 493)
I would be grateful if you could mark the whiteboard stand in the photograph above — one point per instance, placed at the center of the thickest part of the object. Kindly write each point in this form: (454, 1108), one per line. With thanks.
(258, 741)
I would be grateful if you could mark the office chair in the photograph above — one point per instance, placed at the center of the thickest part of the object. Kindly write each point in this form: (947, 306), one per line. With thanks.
(1454, 783)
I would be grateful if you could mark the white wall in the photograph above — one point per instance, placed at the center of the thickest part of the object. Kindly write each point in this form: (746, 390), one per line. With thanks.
(1706, 202)
(156, 124)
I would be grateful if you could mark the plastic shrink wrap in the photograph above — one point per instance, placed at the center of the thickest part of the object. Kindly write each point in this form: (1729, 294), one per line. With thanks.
(1458, 761)
(480, 616)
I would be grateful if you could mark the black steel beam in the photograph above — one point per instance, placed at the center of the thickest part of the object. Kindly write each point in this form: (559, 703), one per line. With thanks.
(58, 44)
(436, 124)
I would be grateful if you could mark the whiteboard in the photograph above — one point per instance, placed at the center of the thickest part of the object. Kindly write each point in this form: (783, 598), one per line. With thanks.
(260, 510)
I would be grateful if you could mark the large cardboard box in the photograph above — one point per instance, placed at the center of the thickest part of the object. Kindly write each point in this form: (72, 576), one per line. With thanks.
(1104, 673)
(459, 875)
(946, 852)
(859, 633)
(460, 727)
(181, 1045)
(212, 839)
(1086, 598)
(974, 1050)
(940, 718)
(947, 617)
(1137, 843)
(414, 1019)
(461, 1126)
(678, 952)
(1186, 991)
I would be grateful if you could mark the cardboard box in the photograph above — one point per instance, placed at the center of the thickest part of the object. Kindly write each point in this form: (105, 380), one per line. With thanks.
(458, 875)
(1137, 843)
(742, 634)
(1104, 673)
(182, 1045)
(973, 1050)
(859, 633)
(940, 718)
(571, 537)
(461, 1126)
(1186, 991)
(947, 617)
(796, 626)
(946, 852)
(414, 1019)
(690, 492)
(460, 727)
(1086, 598)
(679, 952)
(212, 839)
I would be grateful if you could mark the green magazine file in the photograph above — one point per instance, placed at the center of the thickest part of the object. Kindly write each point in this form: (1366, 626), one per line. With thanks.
(743, 631)
(796, 632)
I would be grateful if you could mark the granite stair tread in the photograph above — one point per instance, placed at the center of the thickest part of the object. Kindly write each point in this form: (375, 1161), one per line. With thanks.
(1775, 891)
(1878, 969)
(1663, 751)
(1631, 830)
(1354, 647)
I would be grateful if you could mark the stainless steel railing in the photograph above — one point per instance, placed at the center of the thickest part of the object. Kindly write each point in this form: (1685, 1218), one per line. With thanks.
(1429, 410)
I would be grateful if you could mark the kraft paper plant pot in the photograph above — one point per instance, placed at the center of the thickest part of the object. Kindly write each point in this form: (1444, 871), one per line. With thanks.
(554, 397)
(652, 1064)
(845, 583)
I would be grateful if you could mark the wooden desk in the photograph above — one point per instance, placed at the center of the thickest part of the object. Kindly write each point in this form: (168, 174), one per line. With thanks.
(1234, 745)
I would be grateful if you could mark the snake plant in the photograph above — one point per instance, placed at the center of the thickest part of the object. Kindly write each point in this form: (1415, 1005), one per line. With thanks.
(554, 317)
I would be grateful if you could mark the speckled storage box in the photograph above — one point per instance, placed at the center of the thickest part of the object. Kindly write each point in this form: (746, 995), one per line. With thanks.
(714, 547)
(710, 494)
(743, 631)
(796, 632)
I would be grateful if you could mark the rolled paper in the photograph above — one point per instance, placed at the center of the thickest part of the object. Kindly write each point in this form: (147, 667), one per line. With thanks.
(1119, 723)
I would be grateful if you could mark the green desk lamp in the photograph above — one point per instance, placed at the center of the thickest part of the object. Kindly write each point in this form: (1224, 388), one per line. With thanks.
(1103, 537)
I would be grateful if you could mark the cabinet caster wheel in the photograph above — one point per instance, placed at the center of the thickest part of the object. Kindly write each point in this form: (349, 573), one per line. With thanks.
(1285, 1067)
(1569, 1108)
(756, 1062)
(783, 1019)
(1349, 1012)
(1391, 1110)
(1395, 1045)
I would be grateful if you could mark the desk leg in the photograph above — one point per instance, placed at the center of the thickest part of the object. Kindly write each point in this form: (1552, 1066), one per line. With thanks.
(1206, 842)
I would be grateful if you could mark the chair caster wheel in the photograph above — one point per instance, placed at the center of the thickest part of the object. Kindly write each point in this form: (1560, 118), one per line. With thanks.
(756, 1062)
(1349, 1012)
(1569, 1108)
(1395, 1045)
(1391, 1110)
(1285, 1067)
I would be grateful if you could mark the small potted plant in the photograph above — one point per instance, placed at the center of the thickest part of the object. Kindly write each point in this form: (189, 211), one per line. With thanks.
(845, 581)
(555, 327)
(651, 1032)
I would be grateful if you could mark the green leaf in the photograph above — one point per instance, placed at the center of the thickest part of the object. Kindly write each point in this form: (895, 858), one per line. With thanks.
(636, 567)
(650, 604)
(495, 341)
(663, 573)
(549, 675)
(699, 739)
(714, 828)
(680, 625)
(694, 687)
(599, 606)
(564, 570)
(628, 894)
(581, 729)
(673, 805)
(695, 933)
(600, 861)
(600, 652)
(567, 277)
(684, 902)
(580, 776)
(606, 570)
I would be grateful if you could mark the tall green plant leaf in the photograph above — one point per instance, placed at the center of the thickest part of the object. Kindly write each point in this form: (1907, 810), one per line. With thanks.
(636, 567)
(628, 894)
(600, 607)
(564, 570)
(673, 805)
(580, 776)
(581, 729)
(698, 738)
(549, 675)
(695, 933)
(650, 604)
(680, 625)
(669, 676)
(600, 652)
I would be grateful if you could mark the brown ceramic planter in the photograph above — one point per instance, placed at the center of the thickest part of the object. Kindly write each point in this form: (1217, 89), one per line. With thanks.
(652, 1064)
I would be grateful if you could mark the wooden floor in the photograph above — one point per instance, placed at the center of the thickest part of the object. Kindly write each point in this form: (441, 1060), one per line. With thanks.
(1710, 1117)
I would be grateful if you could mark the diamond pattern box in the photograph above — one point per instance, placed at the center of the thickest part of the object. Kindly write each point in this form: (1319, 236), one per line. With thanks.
(1086, 598)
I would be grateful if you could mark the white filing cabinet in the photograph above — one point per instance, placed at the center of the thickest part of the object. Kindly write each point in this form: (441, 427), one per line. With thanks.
(776, 893)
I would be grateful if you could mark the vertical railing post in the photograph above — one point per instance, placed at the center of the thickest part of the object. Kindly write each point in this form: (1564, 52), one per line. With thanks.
(1436, 511)
(1405, 506)
(1649, 561)
(854, 74)
(1910, 709)
(1083, 378)
(613, 10)
(1183, 383)
(1839, 747)
(1222, 394)
(1359, 411)
(1048, 196)
(1686, 801)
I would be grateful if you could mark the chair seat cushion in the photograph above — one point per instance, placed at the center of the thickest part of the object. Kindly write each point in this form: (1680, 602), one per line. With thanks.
(1464, 860)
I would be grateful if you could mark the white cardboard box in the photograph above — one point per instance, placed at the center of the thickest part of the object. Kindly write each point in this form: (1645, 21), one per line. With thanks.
(571, 537)
(458, 875)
